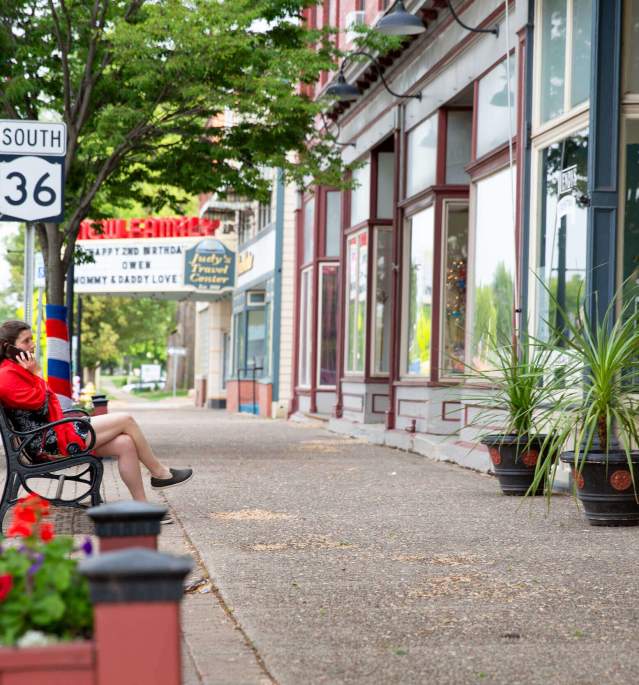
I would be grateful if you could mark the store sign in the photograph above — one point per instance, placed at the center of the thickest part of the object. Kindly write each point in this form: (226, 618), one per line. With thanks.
(211, 265)
(244, 262)
(156, 267)
(149, 227)
(568, 179)
(261, 259)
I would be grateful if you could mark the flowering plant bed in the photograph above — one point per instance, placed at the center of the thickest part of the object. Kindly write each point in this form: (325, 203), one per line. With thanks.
(43, 598)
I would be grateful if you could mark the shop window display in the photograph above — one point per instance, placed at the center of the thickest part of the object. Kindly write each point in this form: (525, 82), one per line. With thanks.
(382, 311)
(455, 280)
(563, 238)
(493, 265)
(327, 372)
(631, 202)
(419, 291)
(356, 283)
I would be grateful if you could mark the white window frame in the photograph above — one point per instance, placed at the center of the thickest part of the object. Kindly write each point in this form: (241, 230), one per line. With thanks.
(306, 323)
(569, 112)
(373, 371)
(320, 287)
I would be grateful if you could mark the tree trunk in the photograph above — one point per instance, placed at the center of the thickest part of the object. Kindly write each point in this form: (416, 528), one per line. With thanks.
(183, 336)
(51, 244)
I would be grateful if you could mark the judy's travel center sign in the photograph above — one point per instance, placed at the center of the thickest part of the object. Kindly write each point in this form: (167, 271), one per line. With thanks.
(175, 258)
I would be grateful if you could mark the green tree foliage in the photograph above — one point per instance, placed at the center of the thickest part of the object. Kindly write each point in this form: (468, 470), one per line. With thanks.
(117, 327)
(145, 89)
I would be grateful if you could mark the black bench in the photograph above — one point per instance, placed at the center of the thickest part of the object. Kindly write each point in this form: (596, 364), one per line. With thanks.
(21, 468)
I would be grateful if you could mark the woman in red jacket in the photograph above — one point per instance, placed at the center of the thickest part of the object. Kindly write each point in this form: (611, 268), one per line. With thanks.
(30, 402)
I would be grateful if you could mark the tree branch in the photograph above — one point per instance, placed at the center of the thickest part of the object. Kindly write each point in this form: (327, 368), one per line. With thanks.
(65, 63)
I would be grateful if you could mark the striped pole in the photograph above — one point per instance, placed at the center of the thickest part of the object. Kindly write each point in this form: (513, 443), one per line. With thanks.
(58, 354)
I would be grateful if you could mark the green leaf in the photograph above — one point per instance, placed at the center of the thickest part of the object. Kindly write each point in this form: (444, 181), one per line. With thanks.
(47, 609)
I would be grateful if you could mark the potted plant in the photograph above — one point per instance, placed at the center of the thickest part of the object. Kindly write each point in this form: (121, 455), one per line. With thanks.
(599, 419)
(516, 378)
(43, 598)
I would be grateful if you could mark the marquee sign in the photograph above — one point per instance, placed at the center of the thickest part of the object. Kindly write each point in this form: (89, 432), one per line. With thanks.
(169, 268)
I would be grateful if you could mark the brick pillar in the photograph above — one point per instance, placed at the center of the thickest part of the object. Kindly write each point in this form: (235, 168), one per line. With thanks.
(136, 596)
(120, 525)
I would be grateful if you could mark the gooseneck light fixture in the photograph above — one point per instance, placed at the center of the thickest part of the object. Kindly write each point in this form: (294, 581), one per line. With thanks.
(398, 22)
(348, 92)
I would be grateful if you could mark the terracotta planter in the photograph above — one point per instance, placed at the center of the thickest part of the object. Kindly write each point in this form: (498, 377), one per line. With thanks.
(72, 663)
(604, 487)
(514, 459)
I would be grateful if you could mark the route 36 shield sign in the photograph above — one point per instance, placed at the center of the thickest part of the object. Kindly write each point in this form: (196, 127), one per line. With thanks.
(31, 188)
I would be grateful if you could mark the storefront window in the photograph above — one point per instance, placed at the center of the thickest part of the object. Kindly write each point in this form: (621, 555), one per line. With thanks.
(458, 144)
(239, 357)
(356, 280)
(419, 291)
(360, 195)
(306, 310)
(631, 204)
(382, 311)
(422, 156)
(385, 175)
(494, 265)
(559, 19)
(256, 340)
(333, 223)
(456, 259)
(309, 230)
(562, 263)
(494, 105)
(327, 372)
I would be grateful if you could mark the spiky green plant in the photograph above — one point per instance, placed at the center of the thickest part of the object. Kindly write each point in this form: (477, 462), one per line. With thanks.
(602, 411)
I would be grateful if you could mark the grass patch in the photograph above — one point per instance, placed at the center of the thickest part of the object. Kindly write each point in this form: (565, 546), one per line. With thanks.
(159, 394)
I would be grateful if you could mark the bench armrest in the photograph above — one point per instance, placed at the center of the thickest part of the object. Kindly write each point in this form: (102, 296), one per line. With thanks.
(46, 426)
(77, 410)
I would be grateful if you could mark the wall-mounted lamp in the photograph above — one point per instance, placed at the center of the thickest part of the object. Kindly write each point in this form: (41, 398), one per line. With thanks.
(398, 22)
(347, 92)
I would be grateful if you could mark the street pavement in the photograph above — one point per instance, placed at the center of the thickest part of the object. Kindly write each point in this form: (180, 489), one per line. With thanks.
(323, 560)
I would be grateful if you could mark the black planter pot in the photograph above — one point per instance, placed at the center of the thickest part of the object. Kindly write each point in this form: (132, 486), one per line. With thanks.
(514, 459)
(604, 487)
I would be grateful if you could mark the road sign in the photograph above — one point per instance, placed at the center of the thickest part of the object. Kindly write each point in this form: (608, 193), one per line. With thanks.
(32, 170)
(176, 351)
(39, 279)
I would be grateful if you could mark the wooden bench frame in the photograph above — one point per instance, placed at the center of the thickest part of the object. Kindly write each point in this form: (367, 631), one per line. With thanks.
(20, 469)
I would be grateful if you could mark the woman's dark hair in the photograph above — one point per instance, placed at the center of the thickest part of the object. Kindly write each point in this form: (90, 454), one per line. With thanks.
(9, 332)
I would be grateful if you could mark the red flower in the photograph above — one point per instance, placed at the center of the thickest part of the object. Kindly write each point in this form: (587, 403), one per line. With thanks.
(24, 514)
(46, 532)
(6, 583)
(20, 529)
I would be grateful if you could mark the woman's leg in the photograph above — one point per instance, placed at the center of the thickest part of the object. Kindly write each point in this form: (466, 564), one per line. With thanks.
(109, 426)
(123, 449)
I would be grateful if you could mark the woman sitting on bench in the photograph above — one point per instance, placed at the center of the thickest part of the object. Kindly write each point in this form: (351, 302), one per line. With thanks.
(31, 402)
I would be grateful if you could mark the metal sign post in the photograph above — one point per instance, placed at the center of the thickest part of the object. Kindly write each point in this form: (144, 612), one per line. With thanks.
(31, 183)
(175, 352)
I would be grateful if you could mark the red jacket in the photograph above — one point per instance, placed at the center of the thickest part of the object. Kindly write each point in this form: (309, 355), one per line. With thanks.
(21, 389)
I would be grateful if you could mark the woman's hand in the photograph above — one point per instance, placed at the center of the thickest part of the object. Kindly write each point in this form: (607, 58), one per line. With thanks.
(27, 361)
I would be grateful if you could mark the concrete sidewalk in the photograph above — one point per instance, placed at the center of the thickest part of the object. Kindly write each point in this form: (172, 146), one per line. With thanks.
(334, 561)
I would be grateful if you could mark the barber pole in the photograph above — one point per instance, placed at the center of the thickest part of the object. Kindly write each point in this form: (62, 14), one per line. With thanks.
(58, 353)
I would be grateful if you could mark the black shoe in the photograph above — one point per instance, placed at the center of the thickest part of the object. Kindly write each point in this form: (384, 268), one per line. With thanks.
(178, 476)
(166, 520)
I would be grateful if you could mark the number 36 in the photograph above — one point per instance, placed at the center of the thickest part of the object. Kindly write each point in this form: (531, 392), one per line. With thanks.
(43, 195)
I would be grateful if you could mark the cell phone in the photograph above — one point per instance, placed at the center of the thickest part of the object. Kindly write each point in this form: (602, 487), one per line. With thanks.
(13, 352)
